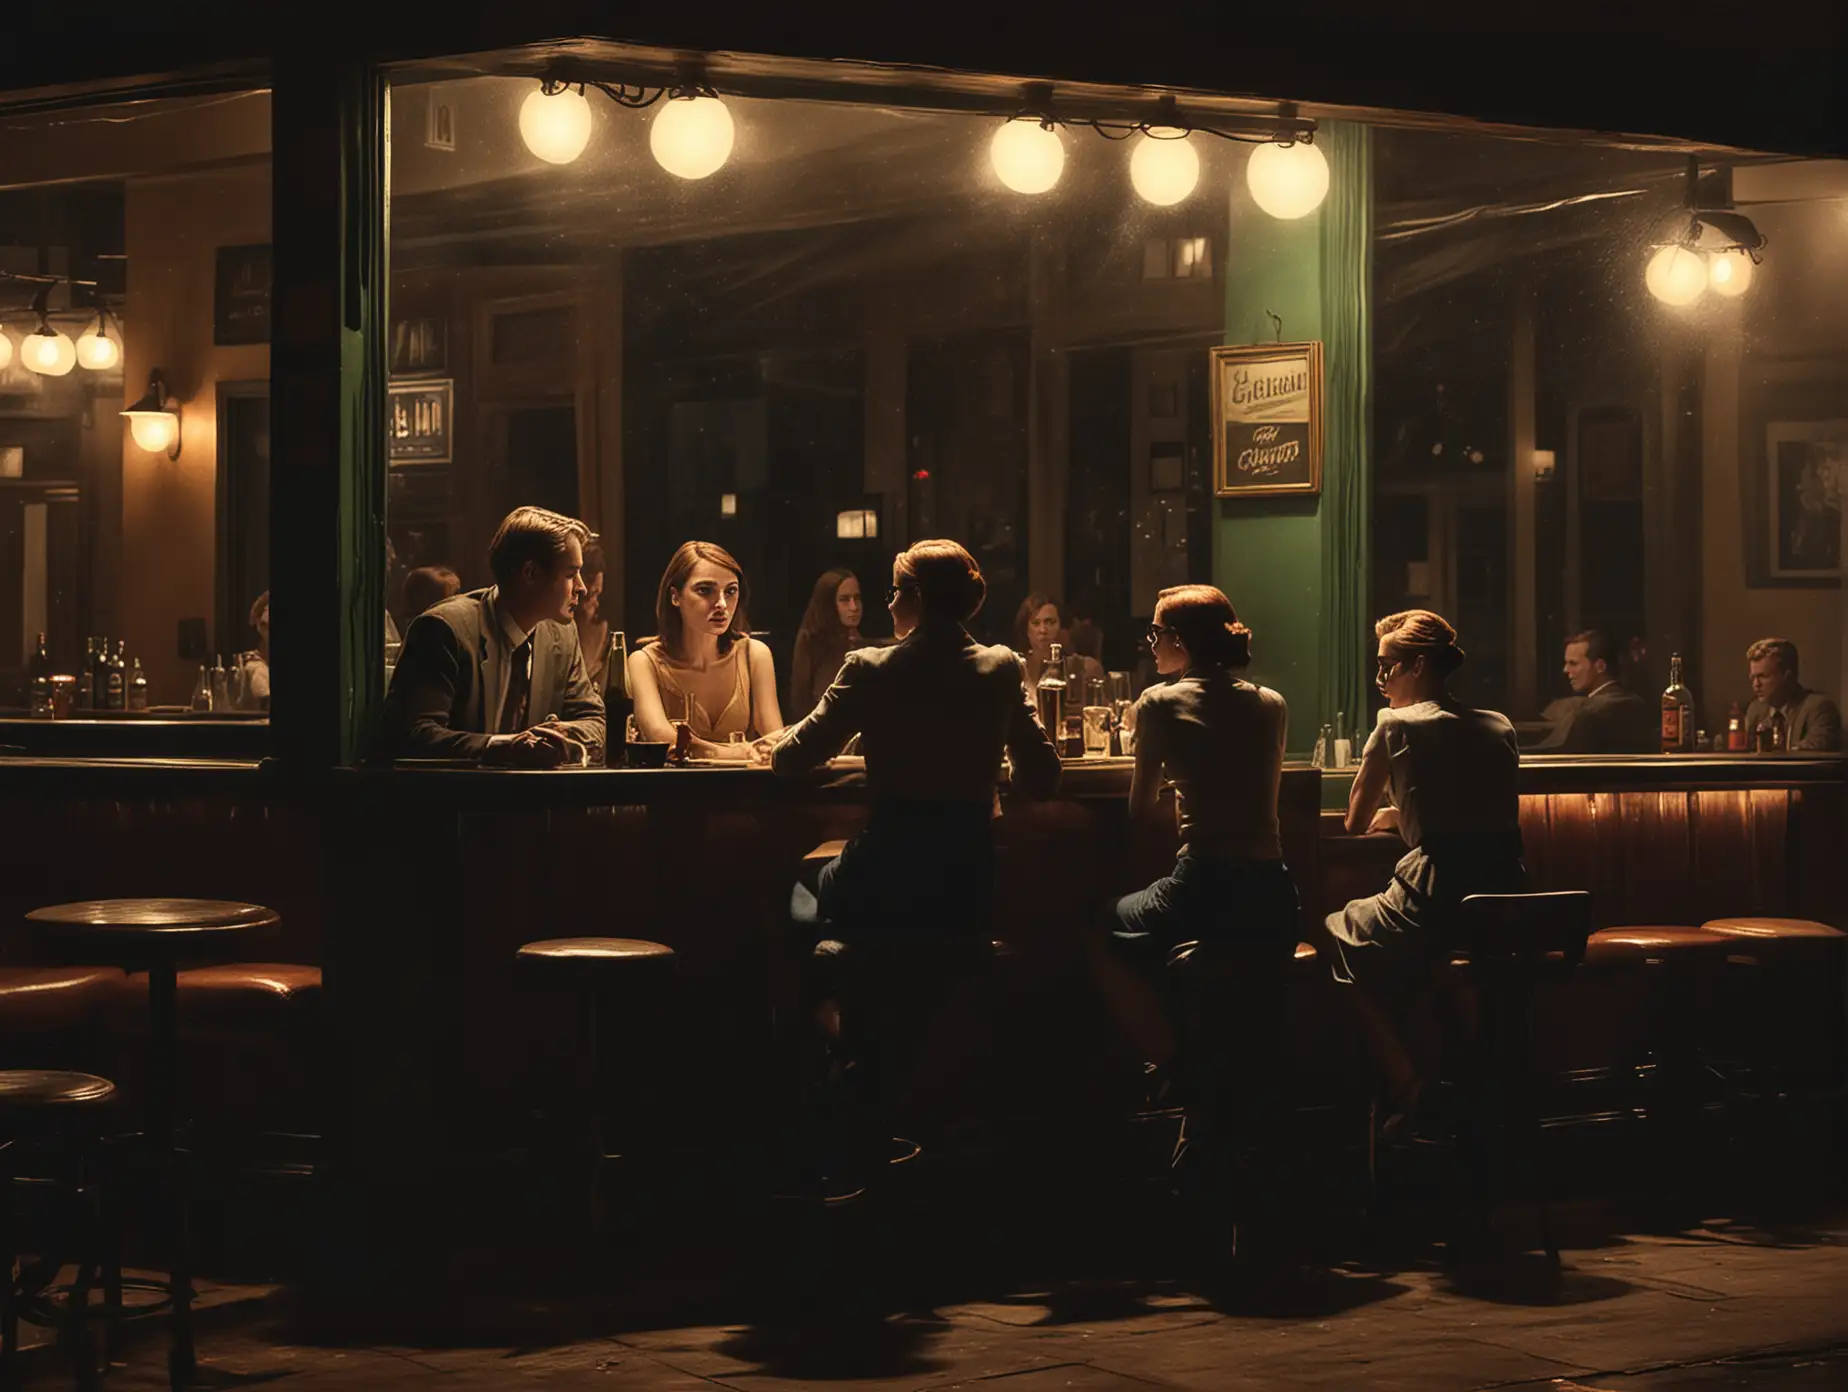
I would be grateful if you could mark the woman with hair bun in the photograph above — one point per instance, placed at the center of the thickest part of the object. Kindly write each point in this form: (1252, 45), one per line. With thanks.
(1449, 777)
(1219, 739)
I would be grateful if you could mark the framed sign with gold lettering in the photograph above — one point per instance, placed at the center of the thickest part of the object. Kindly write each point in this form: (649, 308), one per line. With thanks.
(1267, 419)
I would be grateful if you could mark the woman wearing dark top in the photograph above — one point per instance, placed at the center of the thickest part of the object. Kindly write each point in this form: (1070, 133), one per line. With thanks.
(1219, 739)
(934, 713)
(1450, 778)
(830, 630)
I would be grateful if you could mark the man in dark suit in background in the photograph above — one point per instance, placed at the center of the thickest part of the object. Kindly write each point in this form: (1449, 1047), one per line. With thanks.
(1609, 718)
(497, 674)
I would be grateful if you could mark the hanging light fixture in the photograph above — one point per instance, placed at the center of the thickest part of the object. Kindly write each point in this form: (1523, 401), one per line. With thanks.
(1164, 168)
(1027, 155)
(691, 137)
(46, 350)
(1288, 179)
(96, 350)
(154, 420)
(1717, 248)
(555, 122)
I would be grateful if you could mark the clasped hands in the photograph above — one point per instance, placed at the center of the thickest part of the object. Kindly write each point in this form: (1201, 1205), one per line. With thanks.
(543, 746)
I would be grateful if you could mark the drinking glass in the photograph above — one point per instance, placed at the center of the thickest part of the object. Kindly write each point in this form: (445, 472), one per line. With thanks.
(1096, 731)
(1117, 686)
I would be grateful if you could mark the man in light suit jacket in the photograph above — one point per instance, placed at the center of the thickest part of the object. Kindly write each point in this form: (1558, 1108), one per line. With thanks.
(497, 674)
(1811, 720)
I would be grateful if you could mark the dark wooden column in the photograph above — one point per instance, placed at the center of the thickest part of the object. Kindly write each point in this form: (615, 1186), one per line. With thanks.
(327, 373)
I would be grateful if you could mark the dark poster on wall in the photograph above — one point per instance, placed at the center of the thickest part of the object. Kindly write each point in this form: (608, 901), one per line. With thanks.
(241, 296)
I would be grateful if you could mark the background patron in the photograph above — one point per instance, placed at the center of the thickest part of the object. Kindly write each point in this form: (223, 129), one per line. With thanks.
(1810, 719)
(1608, 718)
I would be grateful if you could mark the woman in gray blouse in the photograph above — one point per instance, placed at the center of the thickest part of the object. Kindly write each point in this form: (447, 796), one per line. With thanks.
(1219, 740)
(1448, 777)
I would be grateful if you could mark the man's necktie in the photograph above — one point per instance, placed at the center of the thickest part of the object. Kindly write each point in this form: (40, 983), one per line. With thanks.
(519, 690)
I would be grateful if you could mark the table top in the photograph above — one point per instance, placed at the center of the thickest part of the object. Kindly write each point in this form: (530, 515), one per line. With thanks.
(147, 920)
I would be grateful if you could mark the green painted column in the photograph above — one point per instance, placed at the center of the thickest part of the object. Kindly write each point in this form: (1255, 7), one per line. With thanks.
(1296, 568)
(1267, 552)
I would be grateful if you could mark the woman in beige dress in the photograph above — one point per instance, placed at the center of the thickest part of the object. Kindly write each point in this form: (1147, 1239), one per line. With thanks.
(704, 667)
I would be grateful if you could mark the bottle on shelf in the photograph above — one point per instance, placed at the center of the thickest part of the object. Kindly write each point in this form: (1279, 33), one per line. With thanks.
(1324, 747)
(1050, 695)
(137, 688)
(1343, 746)
(39, 695)
(99, 676)
(115, 679)
(221, 686)
(1735, 730)
(86, 677)
(1677, 712)
(1772, 735)
(202, 690)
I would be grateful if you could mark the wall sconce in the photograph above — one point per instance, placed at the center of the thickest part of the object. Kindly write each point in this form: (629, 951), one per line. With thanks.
(155, 419)
(856, 524)
(1545, 461)
(728, 505)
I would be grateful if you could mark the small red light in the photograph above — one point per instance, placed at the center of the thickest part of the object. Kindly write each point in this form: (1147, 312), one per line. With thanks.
(920, 473)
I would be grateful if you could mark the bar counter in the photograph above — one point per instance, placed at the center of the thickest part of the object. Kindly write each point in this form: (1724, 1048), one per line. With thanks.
(412, 888)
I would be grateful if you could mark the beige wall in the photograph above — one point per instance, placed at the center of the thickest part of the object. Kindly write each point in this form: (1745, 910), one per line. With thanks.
(1781, 350)
(175, 224)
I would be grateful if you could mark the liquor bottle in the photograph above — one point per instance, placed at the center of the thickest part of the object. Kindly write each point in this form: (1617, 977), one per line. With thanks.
(1735, 729)
(40, 695)
(1324, 747)
(1677, 712)
(137, 688)
(86, 677)
(1343, 746)
(115, 681)
(616, 700)
(1050, 695)
(221, 686)
(99, 674)
(1773, 734)
(202, 690)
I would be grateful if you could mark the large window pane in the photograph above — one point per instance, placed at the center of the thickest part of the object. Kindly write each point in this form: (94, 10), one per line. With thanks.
(148, 224)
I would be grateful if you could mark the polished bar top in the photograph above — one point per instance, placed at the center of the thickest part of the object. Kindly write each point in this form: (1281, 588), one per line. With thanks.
(845, 778)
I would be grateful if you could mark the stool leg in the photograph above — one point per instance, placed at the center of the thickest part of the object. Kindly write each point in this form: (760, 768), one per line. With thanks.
(9, 1303)
(163, 1038)
(592, 1083)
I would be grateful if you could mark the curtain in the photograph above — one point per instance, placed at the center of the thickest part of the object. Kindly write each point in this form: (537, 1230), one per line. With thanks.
(1346, 512)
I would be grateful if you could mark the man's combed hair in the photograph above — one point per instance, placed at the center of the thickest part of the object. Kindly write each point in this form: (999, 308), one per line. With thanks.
(1782, 649)
(532, 534)
(1599, 647)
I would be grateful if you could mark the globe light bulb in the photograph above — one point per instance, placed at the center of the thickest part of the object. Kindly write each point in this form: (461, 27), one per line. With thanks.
(555, 127)
(1165, 167)
(1676, 276)
(1027, 156)
(1729, 273)
(692, 137)
(48, 354)
(97, 351)
(154, 431)
(1287, 181)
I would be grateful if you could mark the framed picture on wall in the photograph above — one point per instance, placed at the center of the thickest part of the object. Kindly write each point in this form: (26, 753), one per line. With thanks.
(1806, 467)
(419, 347)
(1267, 419)
(418, 420)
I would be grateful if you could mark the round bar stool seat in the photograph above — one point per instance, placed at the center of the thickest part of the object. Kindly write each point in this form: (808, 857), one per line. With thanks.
(29, 1089)
(1640, 945)
(587, 960)
(1775, 929)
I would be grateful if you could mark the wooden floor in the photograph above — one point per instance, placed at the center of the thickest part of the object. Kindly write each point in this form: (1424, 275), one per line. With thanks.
(1719, 1305)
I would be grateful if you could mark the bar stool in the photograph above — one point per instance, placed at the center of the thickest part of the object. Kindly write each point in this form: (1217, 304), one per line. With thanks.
(605, 974)
(1230, 997)
(156, 935)
(64, 1113)
(1509, 945)
(1794, 1048)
